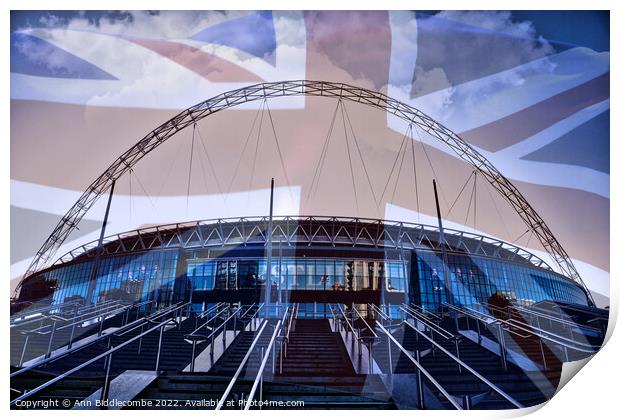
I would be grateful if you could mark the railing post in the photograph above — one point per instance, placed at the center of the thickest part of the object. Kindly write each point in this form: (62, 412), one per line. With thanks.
(105, 390)
(105, 362)
(224, 332)
(260, 395)
(502, 347)
(100, 326)
(458, 356)
(479, 335)
(140, 341)
(161, 333)
(49, 344)
(467, 402)
(21, 359)
(390, 355)
(420, 385)
(542, 353)
(191, 368)
(359, 353)
(370, 362)
(75, 314)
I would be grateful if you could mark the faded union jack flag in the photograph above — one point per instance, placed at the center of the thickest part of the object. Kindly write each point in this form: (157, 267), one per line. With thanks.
(528, 90)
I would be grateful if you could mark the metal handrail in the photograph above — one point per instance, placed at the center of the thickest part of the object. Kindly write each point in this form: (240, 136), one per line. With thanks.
(52, 329)
(95, 359)
(223, 323)
(211, 319)
(259, 375)
(542, 332)
(346, 320)
(421, 370)
(41, 310)
(89, 309)
(127, 328)
(69, 322)
(369, 328)
(148, 319)
(288, 328)
(464, 365)
(241, 366)
(196, 338)
(480, 316)
(522, 309)
(290, 321)
(467, 367)
(428, 323)
(424, 311)
(380, 311)
(249, 309)
(207, 311)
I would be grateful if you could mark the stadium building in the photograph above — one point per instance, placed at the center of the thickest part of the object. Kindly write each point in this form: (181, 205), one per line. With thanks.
(314, 259)
(297, 312)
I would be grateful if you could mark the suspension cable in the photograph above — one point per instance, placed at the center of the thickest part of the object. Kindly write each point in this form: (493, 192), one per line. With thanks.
(402, 160)
(145, 192)
(245, 145)
(346, 137)
(402, 142)
(469, 205)
(189, 175)
(204, 174)
(441, 192)
(359, 152)
(460, 192)
(475, 199)
(321, 161)
(521, 236)
(209, 161)
(130, 196)
(501, 218)
(415, 173)
(169, 172)
(260, 127)
(275, 136)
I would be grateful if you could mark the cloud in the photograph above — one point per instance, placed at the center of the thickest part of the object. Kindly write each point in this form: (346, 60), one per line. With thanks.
(165, 24)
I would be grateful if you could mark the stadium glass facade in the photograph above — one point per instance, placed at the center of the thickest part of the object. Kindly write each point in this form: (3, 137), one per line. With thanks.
(473, 280)
(298, 274)
(132, 277)
(168, 272)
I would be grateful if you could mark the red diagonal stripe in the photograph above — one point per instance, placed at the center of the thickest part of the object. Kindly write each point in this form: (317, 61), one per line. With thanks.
(207, 65)
(516, 127)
